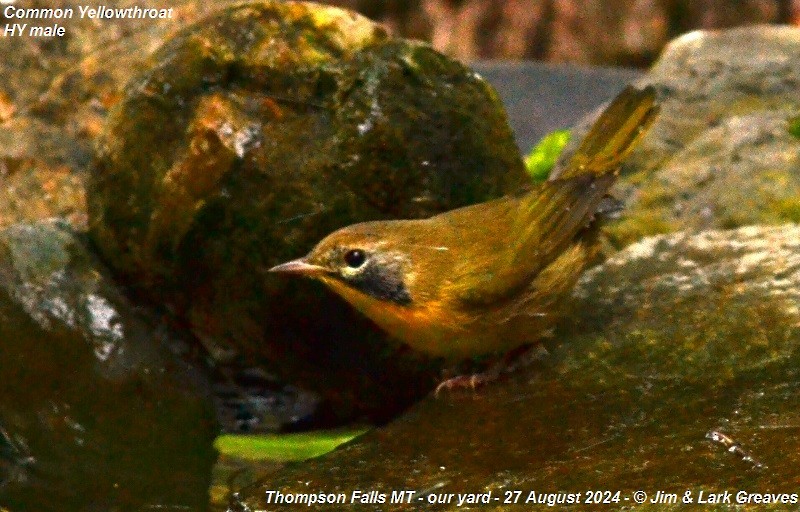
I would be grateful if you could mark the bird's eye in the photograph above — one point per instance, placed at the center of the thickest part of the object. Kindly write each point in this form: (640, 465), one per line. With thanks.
(355, 258)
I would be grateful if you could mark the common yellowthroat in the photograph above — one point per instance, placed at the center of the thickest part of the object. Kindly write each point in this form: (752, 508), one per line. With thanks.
(485, 278)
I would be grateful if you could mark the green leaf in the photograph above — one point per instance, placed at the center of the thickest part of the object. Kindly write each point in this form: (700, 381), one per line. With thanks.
(794, 126)
(284, 447)
(543, 156)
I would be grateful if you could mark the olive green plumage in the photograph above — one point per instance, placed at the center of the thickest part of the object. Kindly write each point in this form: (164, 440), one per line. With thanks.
(488, 277)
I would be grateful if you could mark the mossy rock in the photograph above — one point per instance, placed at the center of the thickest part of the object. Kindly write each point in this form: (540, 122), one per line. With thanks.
(722, 153)
(255, 133)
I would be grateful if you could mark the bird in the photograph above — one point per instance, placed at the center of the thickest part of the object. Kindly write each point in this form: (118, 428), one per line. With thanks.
(490, 277)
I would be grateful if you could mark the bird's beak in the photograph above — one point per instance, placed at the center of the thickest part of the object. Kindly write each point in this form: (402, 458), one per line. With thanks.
(299, 266)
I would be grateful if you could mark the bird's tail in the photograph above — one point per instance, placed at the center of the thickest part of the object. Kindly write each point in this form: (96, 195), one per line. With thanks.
(549, 217)
(614, 135)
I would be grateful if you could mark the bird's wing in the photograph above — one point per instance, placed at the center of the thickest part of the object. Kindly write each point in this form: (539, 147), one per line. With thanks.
(549, 217)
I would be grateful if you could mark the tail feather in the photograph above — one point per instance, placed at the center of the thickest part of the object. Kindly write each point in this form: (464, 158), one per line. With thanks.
(615, 133)
(548, 219)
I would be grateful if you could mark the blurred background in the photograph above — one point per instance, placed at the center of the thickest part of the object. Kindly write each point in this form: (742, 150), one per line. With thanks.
(598, 32)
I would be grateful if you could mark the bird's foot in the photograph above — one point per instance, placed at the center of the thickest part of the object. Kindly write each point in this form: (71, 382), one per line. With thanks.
(473, 381)
(510, 363)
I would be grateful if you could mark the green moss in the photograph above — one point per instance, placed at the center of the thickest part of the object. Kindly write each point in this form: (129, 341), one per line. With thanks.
(543, 156)
(636, 227)
(794, 126)
(789, 209)
(284, 447)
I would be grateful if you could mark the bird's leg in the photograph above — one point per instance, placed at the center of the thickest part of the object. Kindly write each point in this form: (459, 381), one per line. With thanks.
(510, 362)
(471, 381)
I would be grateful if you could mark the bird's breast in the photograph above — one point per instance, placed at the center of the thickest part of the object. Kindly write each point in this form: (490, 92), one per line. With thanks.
(443, 329)
(429, 327)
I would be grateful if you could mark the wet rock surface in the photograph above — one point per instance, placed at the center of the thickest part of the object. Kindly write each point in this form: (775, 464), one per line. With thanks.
(99, 406)
(254, 134)
(676, 340)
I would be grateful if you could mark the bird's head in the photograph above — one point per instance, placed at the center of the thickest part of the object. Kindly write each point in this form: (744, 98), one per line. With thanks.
(360, 260)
